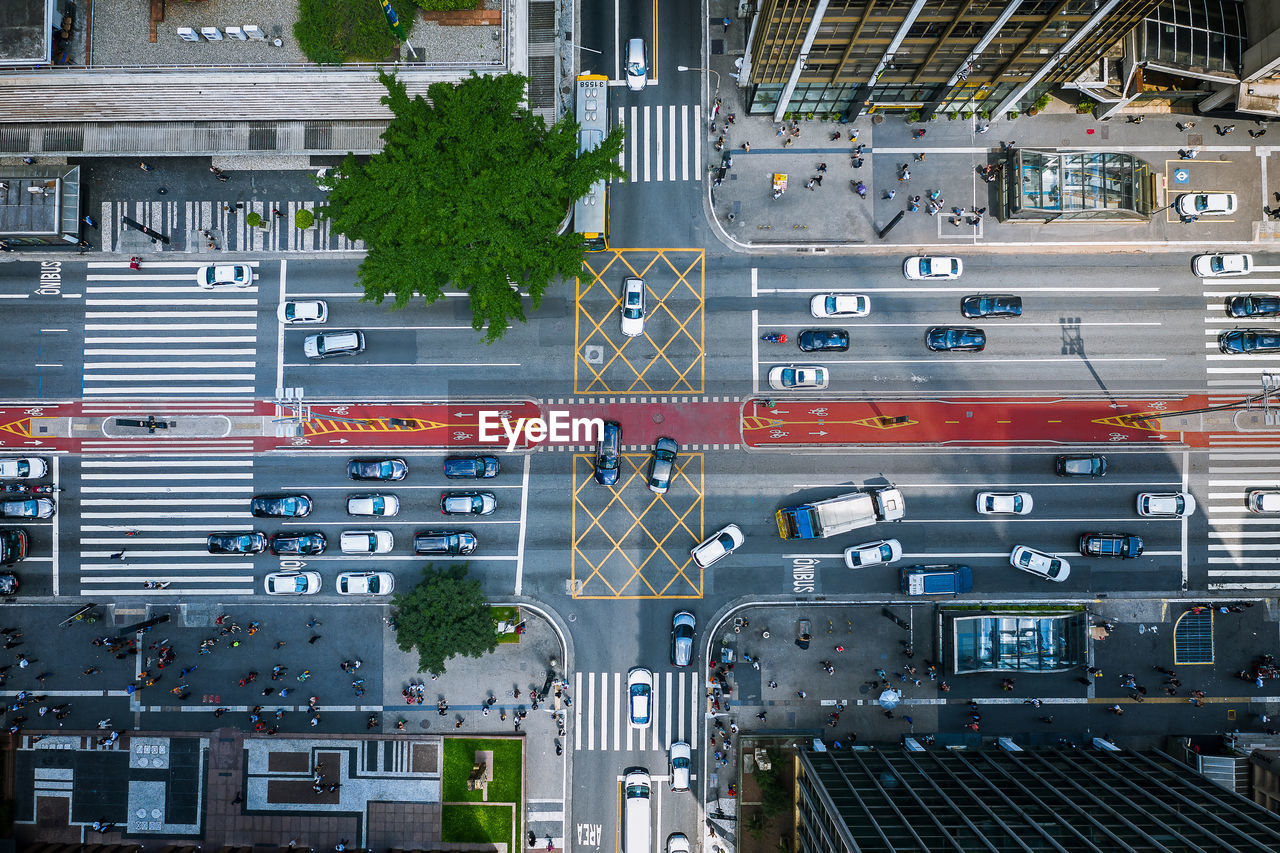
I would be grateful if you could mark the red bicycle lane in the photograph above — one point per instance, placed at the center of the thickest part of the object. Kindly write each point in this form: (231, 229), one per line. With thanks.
(974, 421)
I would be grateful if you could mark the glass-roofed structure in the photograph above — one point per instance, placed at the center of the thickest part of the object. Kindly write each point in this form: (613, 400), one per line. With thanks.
(1074, 186)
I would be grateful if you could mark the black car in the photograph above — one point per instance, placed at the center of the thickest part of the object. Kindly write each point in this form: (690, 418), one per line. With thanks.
(446, 543)
(13, 545)
(1080, 466)
(955, 339)
(662, 464)
(297, 544)
(252, 542)
(280, 506)
(1121, 545)
(607, 455)
(1254, 305)
(377, 469)
(1249, 341)
(471, 467)
(991, 305)
(824, 340)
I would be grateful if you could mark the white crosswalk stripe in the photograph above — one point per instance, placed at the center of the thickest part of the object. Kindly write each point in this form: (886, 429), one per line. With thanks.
(135, 507)
(663, 142)
(599, 712)
(1243, 547)
(545, 819)
(154, 333)
(1230, 373)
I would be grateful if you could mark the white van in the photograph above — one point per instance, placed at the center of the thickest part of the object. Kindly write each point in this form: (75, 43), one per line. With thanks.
(637, 814)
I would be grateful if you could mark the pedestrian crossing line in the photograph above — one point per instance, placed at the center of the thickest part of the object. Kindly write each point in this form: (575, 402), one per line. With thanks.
(107, 365)
(170, 327)
(128, 540)
(146, 528)
(150, 477)
(230, 447)
(663, 143)
(600, 712)
(1244, 534)
(246, 462)
(139, 502)
(151, 568)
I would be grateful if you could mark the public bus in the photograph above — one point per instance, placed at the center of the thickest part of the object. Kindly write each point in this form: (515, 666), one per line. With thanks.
(591, 212)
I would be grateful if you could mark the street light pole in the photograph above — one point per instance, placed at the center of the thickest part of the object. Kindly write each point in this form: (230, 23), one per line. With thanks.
(712, 70)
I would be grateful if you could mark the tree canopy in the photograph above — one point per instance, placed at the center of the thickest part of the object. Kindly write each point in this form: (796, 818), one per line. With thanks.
(468, 193)
(332, 32)
(444, 615)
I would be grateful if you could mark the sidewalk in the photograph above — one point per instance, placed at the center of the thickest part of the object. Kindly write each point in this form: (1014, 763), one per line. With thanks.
(863, 641)
(832, 215)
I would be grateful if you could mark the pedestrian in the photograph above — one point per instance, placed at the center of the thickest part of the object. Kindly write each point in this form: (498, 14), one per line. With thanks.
(746, 146)
(906, 174)
(1136, 119)
(458, 724)
(761, 716)
(118, 555)
(1223, 130)
(1185, 126)
(786, 143)
(221, 177)
(1188, 153)
(30, 161)
(1117, 710)
(146, 167)
(919, 134)
(1257, 133)
(982, 128)
(810, 185)
(888, 194)
(90, 221)
(312, 622)
(726, 21)
(841, 648)
(835, 136)
(801, 694)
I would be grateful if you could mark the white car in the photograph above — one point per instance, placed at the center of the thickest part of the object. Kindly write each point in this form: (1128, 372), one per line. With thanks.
(636, 65)
(1222, 264)
(721, 545)
(225, 275)
(1005, 503)
(365, 583)
(873, 553)
(633, 307)
(373, 505)
(1264, 500)
(292, 583)
(840, 305)
(639, 697)
(921, 267)
(23, 468)
(1040, 564)
(1205, 204)
(801, 376)
(366, 541)
(1166, 504)
(305, 311)
(27, 508)
(679, 762)
(678, 842)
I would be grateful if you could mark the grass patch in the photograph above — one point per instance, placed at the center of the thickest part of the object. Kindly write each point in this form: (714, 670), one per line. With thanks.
(459, 755)
(478, 825)
(506, 614)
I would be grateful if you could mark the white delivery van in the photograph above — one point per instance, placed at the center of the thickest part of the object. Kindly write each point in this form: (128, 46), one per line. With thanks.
(637, 813)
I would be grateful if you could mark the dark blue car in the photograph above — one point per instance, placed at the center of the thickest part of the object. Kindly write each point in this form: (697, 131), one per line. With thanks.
(955, 338)
(1249, 341)
(824, 340)
(471, 467)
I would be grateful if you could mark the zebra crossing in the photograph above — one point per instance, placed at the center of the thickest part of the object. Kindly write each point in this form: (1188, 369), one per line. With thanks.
(227, 226)
(600, 712)
(1229, 373)
(146, 519)
(663, 142)
(1243, 547)
(152, 333)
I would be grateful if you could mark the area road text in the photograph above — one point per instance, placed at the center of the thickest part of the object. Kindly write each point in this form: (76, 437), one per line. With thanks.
(559, 428)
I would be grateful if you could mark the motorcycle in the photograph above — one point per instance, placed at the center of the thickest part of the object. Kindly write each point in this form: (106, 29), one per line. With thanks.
(156, 584)
(24, 489)
(774, 338)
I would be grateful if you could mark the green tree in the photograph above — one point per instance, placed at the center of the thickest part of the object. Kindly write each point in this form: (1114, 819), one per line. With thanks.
(468, 193)
(444, 615)
(330, 32)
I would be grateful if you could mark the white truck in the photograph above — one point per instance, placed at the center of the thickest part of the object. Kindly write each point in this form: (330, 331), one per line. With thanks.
(841, 514)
